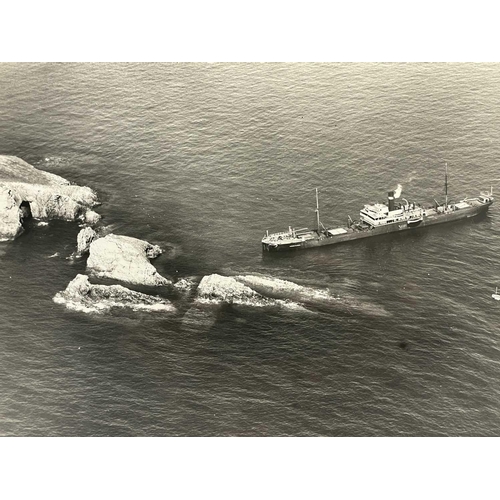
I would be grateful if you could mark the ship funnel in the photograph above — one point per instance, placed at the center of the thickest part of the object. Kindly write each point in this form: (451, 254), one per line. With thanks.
(390, 200)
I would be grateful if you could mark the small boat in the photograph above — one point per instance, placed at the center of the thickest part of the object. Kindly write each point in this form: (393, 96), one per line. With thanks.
(496, 296)
(414, 222)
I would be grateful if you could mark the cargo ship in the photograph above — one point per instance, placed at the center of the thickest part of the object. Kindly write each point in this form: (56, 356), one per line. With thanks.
(377, 219)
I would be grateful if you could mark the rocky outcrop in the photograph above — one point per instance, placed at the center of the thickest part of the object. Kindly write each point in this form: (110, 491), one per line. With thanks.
(126, 259)
(185, 285)
(10, 214)
(81, 295)
(85, 237)
(91, 217)
(217, 289)
(261, 291)
(25, 191)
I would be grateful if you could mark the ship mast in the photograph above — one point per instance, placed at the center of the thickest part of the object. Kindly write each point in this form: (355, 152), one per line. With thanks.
(317, 210)
(446, 185)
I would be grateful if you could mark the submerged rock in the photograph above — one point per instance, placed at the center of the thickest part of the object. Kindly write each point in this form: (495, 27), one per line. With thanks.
(313, 298)
(81, 295)
(279, 288)
(217, 289)
(26, 191)
(126, 259)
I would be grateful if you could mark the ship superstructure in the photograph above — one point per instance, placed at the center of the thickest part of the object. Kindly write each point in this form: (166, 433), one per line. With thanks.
(377, 219)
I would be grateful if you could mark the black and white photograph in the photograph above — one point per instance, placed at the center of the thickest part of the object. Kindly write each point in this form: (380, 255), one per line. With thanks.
(249, 249)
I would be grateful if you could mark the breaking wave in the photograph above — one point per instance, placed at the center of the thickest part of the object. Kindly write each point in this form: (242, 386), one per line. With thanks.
(106, 305)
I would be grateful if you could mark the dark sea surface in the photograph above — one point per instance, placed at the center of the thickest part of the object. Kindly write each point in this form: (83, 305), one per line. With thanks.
(202, 159)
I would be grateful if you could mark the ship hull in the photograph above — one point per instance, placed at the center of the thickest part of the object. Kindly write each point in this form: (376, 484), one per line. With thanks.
(323, 240)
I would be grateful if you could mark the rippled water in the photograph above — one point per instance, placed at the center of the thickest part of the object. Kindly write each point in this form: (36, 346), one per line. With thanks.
(202, 159)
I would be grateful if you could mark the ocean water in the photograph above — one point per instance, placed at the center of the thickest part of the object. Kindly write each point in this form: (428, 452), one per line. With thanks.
(202, 159)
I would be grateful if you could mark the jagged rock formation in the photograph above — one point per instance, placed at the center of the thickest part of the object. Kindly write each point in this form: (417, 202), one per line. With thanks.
(126, 259)
(81, 295)
(85, 237)
(26, 191)
(217, 289)
(185, 284)
(10, 214)
(91, 217)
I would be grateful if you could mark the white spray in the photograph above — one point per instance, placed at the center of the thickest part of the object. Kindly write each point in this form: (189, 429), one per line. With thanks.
(398, 191)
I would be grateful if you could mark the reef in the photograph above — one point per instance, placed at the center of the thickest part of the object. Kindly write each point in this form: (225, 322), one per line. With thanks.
(124, 258)
(185, 285)
(217, 289)
(262, 291)
(279, 288)
(81, 295)
(26, 191)
(311, 297)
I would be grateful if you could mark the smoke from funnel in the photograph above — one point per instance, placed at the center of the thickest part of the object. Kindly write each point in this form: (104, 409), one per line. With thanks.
(398, 191)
